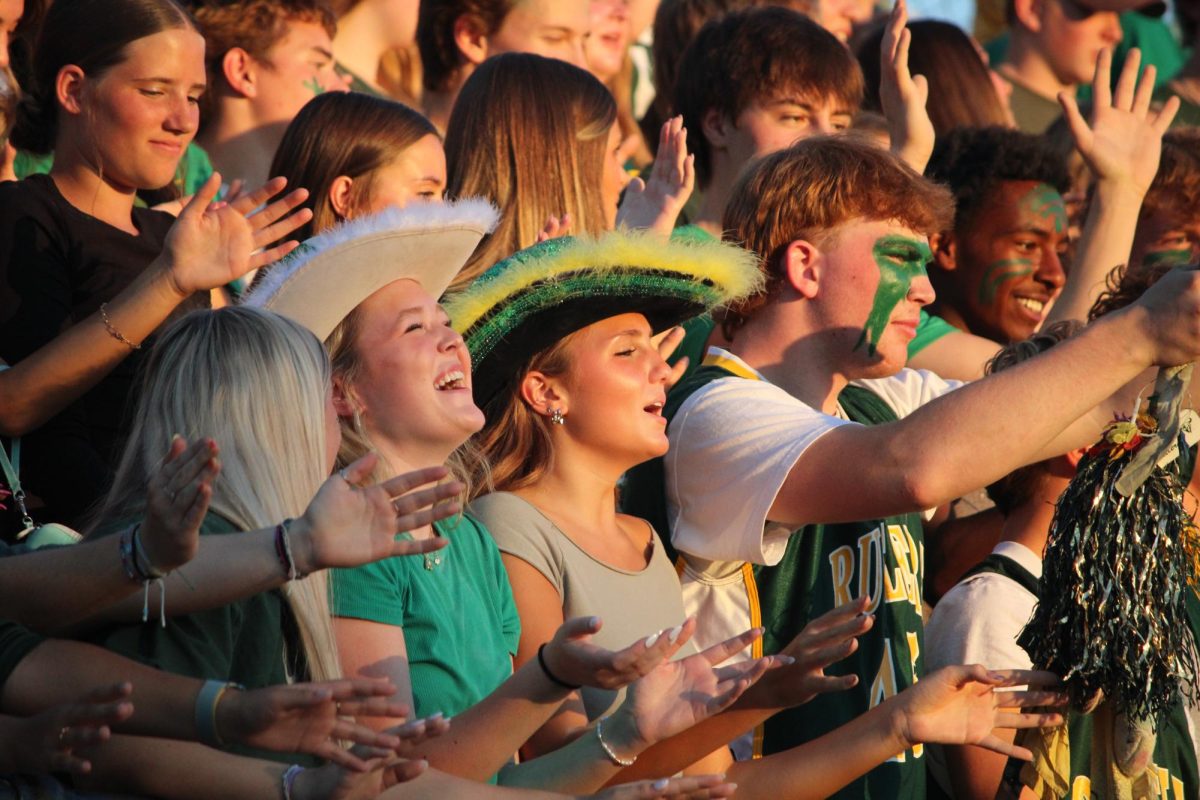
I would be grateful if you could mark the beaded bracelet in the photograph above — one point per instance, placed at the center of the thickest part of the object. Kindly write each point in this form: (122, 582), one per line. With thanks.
(113, 332)
(608, 751)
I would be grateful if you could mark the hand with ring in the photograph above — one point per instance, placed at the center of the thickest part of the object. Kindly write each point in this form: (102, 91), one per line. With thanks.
(350, 522)
(53, 740)
(178, 495)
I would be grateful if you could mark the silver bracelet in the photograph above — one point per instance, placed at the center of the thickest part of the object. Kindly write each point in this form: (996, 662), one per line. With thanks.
(608, 751)
(288, 780)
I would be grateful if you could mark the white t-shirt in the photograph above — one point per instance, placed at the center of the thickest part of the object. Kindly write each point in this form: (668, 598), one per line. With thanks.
(978, 622)
(733, 444)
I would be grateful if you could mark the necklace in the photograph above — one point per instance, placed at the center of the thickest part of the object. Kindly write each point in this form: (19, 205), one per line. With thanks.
(433, 560)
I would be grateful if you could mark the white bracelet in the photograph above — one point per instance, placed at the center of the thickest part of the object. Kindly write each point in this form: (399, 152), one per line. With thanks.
(608, 751)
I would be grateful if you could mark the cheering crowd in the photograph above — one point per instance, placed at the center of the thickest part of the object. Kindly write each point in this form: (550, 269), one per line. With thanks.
(573, 398)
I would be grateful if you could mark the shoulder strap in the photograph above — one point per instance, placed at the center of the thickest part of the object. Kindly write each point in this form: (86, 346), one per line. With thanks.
(1003, 565)
(864, 406)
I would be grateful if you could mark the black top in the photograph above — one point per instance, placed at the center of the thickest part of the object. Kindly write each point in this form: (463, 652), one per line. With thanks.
(57, 265)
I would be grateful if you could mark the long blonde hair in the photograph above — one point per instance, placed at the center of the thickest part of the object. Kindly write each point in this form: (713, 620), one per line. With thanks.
(528, 133)
(255, 383)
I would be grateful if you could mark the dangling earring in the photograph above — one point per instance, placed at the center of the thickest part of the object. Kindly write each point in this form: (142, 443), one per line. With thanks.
(557, 417)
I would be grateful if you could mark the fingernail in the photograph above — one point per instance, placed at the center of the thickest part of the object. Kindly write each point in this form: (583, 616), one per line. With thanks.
(650, 640)
(996, 676)
(659, 784)
(432, 717)
(674, 633)
(593, 622)
(786, 660)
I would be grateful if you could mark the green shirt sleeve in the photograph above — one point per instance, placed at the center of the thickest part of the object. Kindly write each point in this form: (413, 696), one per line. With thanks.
(372, 592)
(929, 330)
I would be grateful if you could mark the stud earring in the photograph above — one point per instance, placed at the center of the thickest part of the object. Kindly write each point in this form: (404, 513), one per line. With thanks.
(557, 417)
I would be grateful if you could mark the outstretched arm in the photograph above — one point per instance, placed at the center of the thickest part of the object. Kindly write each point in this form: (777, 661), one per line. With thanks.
(1016, 417)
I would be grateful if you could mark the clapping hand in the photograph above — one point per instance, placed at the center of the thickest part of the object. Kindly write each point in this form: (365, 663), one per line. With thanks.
(824, 641)
(573, 659)
(313, 718)
(903, 95)
(654, 204)
(961, 705)
(213, 243)
(349, 524)
(1123, 143)
(177, 498)
(678, 694)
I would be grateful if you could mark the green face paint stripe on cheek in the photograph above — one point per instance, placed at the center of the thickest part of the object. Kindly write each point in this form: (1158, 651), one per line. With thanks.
(900, 259)
(1045, 202)
(1000, 271)
(1158, 258)
(314, 86)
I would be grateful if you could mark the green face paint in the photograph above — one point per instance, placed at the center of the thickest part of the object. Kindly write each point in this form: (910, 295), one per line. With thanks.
(1167, 257)
(314, 86)
(1045, 203)
(1000, 271)
(900, 259)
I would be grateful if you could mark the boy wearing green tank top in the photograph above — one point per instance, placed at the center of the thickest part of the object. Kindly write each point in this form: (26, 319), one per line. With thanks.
(802, 457)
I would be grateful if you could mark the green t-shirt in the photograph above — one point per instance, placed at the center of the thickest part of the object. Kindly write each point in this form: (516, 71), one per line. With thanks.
(456, 607)
(242, 642)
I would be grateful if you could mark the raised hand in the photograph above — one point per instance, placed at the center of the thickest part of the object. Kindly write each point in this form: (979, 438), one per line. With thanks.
(348, 525)
(555, 227)
(826, 640)
(212, 243)
(678, 694)
(903, 95)
(573, 659)
(383, 767)
(313, 718)
(177, 498)
(960, 705)
(1123, 143)
(693, 787)
(666, 342)
(654, 204)
(49, 741)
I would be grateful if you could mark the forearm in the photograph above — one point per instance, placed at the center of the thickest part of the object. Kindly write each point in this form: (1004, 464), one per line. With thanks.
(681, 751)
(225, 570)
(580, 767)
(1015, 415)
(52, 588)
(821, 767)
(484, 737)
(59, 372)
(57, 672)
(179, 770)
(1106, 242)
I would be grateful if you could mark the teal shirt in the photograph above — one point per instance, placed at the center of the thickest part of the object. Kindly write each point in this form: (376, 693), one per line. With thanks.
(460, 621)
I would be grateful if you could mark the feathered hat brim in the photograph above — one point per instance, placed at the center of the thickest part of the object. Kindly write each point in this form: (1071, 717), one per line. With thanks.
(325, 278)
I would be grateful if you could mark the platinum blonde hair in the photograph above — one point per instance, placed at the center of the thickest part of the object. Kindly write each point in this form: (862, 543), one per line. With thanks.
(254, 382)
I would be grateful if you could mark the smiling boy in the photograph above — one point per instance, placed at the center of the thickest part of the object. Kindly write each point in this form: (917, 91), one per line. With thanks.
(802, 456)
(999, 267)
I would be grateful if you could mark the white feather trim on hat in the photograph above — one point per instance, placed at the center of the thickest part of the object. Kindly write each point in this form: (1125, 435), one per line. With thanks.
(323, 280)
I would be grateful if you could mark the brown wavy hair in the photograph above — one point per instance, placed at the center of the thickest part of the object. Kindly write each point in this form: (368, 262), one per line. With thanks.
(812, 187)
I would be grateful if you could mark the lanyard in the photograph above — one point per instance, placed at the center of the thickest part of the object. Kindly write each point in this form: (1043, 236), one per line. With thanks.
(12, 470)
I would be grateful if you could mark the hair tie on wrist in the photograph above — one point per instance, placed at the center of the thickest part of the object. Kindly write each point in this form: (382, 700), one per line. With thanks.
(550, 675)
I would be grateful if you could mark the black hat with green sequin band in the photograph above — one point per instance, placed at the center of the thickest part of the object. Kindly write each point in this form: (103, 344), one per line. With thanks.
(538, 296)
